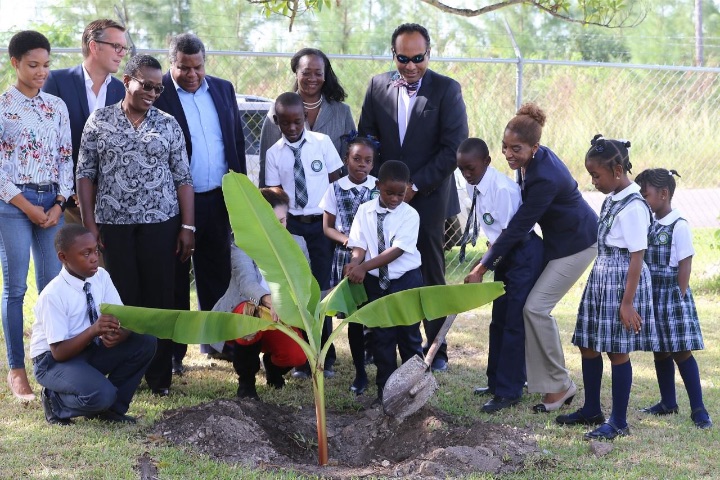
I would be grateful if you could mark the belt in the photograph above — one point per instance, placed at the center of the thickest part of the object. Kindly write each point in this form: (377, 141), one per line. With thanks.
(306, 218)
(214, 191)
(39, 358)
(38, 187)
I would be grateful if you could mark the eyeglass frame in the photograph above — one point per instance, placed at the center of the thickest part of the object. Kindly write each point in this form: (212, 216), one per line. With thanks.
(404, 59)
(152, 87)
(116, 46)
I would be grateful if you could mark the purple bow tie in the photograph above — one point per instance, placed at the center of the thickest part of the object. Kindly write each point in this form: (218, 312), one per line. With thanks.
(412, 88)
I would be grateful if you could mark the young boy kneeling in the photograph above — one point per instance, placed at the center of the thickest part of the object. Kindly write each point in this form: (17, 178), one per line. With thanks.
(383, 237)
(86, 363)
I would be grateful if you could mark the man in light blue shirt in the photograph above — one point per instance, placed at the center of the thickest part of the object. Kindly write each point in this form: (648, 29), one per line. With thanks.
(207, 111)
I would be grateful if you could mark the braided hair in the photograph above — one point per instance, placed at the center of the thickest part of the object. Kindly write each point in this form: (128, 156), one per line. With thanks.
(659, 178)
(352, 138)
(608, 153)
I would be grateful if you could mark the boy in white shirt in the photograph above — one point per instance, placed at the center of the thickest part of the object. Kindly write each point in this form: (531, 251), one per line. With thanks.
(304, 163)
(86, 363)
(496, 198)
(386, 260)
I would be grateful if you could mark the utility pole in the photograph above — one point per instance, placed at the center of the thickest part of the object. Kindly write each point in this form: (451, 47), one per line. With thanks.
(699, 60)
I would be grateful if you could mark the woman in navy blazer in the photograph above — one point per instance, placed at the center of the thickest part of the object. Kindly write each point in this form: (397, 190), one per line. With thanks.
(569, 227)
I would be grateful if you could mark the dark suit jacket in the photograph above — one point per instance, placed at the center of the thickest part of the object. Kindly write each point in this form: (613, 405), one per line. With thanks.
(223, 95)
(437, 126)
(552, 200)
(69, 84)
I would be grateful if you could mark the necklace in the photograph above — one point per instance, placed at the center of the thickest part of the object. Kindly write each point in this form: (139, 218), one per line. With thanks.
(135, 123)
(313, 105)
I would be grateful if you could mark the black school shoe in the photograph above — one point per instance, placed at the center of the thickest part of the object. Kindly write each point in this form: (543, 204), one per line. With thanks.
(701, 418)
(660, 409)
(247, 391)
(50, 416)
(579, 418)
(498, 403)
(482, 391)
(607, 431)
(113, 417)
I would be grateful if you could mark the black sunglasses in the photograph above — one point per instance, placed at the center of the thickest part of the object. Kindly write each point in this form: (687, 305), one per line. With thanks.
(149, 86)
(118, 48)
(404, 59)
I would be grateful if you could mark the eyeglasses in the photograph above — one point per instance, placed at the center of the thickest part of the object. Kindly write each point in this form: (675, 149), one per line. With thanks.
(404, 59)
(118, 48)
(149, 86)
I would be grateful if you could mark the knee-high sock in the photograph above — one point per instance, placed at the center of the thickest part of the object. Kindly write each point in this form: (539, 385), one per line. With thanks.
(621, 384)
(592, 378)
(691, 378)
(665, 371)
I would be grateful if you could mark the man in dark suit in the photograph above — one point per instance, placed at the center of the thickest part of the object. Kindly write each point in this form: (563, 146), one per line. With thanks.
(90, 85)
(207, 111)
(419, 117)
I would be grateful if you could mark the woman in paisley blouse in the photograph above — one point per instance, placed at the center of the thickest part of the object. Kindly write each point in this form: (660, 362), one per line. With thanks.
(136, 196)
(35, 180)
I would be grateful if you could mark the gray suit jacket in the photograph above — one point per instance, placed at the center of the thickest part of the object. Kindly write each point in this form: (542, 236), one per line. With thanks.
(334, 120)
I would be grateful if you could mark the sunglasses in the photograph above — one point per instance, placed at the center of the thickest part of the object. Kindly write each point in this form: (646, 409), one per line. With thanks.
(149, 86)
(118, 48)
(404, 59)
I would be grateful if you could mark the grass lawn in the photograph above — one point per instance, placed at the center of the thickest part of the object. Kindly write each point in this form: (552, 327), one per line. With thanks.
(659, 447)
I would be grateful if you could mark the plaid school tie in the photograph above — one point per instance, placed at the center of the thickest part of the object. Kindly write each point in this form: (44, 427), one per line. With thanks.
(91, 310)
(301, 195)
(384, 277)
(471, 221)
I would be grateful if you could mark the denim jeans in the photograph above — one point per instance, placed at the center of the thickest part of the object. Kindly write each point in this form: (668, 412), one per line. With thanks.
(18, 235)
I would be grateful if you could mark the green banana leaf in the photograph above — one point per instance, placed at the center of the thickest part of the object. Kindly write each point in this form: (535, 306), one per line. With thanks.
(411, 306)
(187, 327)
(345, 298)
(257, 232)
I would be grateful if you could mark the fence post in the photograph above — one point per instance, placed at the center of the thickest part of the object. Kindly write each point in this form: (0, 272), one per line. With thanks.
(520, 65)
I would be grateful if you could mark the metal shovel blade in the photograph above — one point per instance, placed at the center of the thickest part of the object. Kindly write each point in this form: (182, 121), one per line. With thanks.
(408, 388)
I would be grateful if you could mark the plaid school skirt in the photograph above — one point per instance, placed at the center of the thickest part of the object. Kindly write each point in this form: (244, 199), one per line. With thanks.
(598, 325)
(676, 318)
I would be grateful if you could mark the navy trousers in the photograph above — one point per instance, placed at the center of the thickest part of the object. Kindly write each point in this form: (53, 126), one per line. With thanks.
(506, 357)
(406, 339)
(96, 380)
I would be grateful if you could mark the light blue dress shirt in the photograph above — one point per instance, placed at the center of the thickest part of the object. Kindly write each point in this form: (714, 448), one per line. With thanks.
(208, 164)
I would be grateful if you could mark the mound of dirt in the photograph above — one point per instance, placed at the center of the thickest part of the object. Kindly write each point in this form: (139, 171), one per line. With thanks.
(428, 444)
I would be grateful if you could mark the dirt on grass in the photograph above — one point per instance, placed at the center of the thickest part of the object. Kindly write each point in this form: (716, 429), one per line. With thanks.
(429, 444)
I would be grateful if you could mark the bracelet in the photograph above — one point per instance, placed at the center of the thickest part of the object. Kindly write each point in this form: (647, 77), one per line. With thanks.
(188, 227)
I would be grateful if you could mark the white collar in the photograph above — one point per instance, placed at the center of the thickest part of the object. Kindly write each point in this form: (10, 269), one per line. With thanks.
(88, 79)
(630, 189)
(72, 280)
(670, 217)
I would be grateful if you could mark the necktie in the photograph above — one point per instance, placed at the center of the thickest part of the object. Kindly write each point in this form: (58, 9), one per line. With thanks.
(91, 310)
(301, 195)
(412, 88)
(384, 278)
(471, 221)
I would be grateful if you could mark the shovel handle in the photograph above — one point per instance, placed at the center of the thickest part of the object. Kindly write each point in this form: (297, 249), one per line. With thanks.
(439, 338)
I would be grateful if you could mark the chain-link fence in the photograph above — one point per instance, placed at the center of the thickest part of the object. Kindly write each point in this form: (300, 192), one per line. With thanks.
(669, 113)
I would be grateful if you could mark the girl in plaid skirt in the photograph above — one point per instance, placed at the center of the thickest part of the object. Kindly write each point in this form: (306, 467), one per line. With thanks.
(340, 204)
(616, 313)
(669, 257)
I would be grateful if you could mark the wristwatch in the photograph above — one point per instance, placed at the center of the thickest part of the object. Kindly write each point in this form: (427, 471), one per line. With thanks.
(61, 203)
(189, 227)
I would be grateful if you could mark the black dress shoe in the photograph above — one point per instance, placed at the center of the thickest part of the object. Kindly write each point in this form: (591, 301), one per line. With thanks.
(50, 416)
(498, 403)
(607, 431)
(247, 391)
(160, 392)
(178, 368)
(701, 418)
(439, 365)
(113, 417)
(483, 391)
(579, 418)
(660, 409)
(359, 386)
(329, 372)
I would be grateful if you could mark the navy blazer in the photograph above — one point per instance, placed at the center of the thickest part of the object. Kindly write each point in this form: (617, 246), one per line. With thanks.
(69, 85)
(437, 126)
(223, 95)
(552, 200)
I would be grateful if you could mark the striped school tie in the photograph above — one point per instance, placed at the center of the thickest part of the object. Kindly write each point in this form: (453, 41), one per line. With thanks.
(384, 277)
(301, 194)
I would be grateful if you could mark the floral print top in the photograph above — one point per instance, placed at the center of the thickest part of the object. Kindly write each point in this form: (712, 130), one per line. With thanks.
(35, 144)
(137, 172)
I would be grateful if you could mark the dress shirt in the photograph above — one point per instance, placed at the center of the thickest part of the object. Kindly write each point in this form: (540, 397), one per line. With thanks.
(681, 247)
(137, 172)
(61, 310)
(630, 226)
(35, 143)
(405, 106)
(319, 159)
(400, 229)
(208, 164)
(497, 201)
(95, 102)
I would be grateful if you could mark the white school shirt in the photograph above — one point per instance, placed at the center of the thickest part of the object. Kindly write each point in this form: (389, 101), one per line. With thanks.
(405, 106)
(630, 227)
(61, 309)
(400, 229)
(329, 202)
(497, 201)
(681, 247)
(95, 102)
(319, 158)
